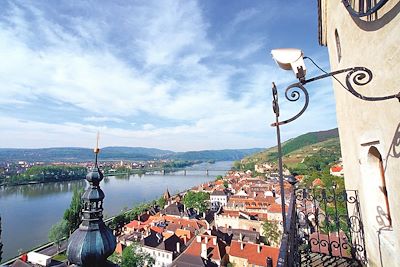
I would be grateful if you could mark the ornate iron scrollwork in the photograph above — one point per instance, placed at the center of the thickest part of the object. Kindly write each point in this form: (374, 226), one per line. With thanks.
(328, 223)
(362, 76)
(362, 8)
(292, 93)
(359, 76)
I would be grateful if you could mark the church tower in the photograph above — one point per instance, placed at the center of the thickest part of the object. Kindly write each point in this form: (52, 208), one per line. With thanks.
(93, 242)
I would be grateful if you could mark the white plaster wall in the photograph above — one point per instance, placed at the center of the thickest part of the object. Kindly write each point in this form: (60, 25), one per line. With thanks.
(374, 44)
(162, 258)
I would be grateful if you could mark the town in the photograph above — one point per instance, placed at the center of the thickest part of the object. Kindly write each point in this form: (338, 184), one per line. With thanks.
(26, 172)
(235, 220)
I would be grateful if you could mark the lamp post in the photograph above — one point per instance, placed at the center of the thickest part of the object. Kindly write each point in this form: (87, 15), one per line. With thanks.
(275, 106)
(293, 59)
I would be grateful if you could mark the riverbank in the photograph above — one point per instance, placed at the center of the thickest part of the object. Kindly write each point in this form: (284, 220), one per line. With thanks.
(42, 205)
(108, 221)
(42, 182)
(44, 178)
(48, 245)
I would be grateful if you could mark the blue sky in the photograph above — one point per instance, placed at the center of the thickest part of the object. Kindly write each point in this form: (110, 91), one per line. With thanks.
(179, 75)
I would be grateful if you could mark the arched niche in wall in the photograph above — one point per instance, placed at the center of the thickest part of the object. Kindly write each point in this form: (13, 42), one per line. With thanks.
(338, 46)
(376, 182)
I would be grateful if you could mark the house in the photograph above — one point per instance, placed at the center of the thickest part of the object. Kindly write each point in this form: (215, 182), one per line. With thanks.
(229, 234)
(175, 209)
(249, 254)
(336, 171)
(317, 182)
(238, 220)
(219, 197)
(205, 250)
(162, 249)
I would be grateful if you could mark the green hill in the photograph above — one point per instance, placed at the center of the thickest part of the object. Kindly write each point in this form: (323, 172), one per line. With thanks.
(324, 145)
(119, 153)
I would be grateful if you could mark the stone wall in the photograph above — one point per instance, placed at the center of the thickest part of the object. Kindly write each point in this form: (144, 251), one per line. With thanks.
(366, 128)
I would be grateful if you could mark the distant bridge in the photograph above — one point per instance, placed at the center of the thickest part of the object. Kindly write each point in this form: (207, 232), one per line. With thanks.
(174, 171)
(185, 172)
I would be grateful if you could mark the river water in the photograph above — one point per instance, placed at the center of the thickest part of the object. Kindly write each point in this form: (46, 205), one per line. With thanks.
(29, 211)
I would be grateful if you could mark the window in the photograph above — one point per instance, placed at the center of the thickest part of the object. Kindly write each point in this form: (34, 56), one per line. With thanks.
(338, 47)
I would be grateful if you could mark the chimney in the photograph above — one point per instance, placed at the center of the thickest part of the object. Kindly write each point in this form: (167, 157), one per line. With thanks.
(206, 239)
(198, 238)
(269, 262)
(241, 245)
(240, 236)
(258, 248)
(215, 241)
(203, 251)
(178, 247)
(255, 194)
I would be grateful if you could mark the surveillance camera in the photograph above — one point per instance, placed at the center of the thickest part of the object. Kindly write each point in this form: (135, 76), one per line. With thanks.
(290, 59)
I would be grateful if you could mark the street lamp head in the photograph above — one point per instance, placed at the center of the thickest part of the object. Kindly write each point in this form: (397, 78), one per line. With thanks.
(290, 59)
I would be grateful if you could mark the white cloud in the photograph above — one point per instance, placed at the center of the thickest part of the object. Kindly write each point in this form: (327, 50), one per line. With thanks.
(148, 126)
(244, 15)
(160, 70)
(103, 119)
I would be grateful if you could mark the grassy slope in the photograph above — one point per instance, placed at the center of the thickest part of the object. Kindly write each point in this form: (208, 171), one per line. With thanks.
(296, 149)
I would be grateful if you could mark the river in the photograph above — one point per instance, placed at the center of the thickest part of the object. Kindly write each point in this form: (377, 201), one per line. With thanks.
(29, 211)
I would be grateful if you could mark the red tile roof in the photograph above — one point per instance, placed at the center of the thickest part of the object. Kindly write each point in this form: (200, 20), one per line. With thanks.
(275, 208)
(250, 252)
(317, 182)
(119, 248)
(133, 224)
(157, 229)
(217, 251)
(336, 168)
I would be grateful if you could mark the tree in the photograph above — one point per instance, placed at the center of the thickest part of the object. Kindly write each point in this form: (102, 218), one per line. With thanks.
(196, 200)
(73, 214)
(133, 256)
(57, 232)
(219, 177)
(118, 222)
(271, 232)
(161, 202)
(226, 185)
(236, 166)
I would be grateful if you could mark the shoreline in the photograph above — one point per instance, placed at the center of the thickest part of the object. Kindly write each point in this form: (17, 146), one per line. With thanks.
(106, 221)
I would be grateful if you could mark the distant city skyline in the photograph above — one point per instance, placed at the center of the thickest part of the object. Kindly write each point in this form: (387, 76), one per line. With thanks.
(176, 75)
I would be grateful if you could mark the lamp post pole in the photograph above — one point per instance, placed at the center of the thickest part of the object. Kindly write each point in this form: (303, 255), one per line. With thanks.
(275, 106)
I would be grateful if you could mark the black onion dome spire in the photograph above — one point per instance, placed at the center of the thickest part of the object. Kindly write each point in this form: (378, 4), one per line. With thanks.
(93, 242)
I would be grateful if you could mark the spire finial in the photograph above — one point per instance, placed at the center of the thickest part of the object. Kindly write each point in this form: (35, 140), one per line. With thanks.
(97, 149)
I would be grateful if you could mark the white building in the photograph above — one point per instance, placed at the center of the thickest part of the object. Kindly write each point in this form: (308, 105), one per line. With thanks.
(219, 196)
